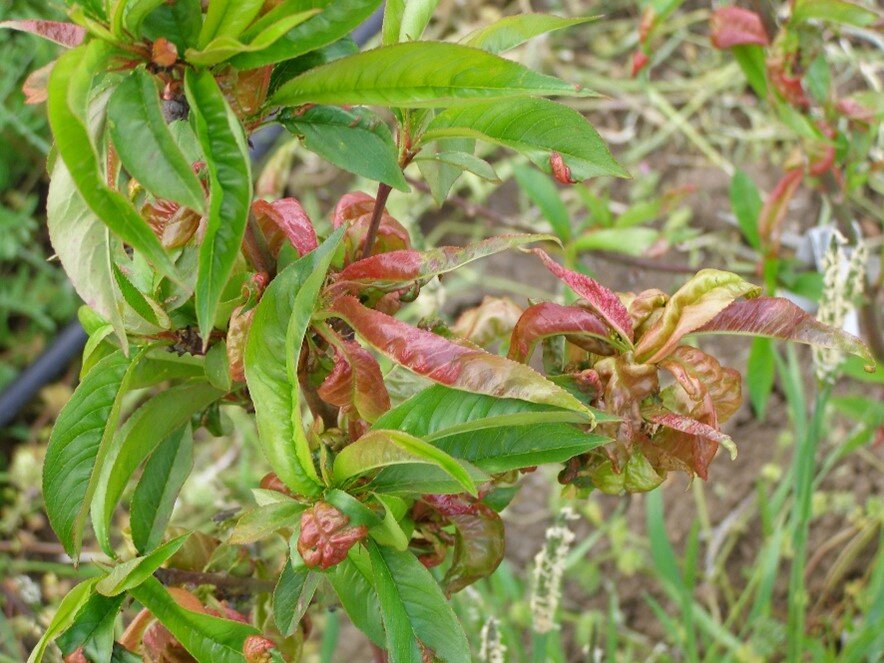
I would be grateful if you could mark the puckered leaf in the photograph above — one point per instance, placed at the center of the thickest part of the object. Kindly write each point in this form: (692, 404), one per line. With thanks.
(230, 190)
(64, 34)
(355, 382)
(511, 31)
(598, 297)
(702, 439)
(354, 139)
(702, 377)
(491, 320)
(540, 321)
(693, 305)
(272, 353)
(774, 317)
(356, 208)
(735, 26)
(538, 128)
(419, 75)
(395, 269)
(382, 448)
(478, 547)
(206, 637)
(282, 220)
(458, 365)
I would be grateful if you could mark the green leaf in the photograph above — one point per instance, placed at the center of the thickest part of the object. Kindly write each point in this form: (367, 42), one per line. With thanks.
(416, 16)
(227, 158)
(83, 244)
(402, 644)
(157, 489)
(262, 521)
(145, 144)
(535, 127)
(543, 193)
(222, 48)
(414, 479)
(67, 611)
(139, 437)
(495, 434)
(419, 75)
(746, 203)
(354, 139)
(463, 161)
(511, 31)
(353, 582)
(760, 372)
(441, 174)
(401, 580)
(207, 638)
(294, 590)
(78, 446)
(630, 241)
(834, 11)
(145, 307)
(228, 18)
(179, 22)
(93, 628)
(130, 574)
(69, 86)
(277, 332)
(135, 11)
(338, 19)
(751, 58)
(382, 448)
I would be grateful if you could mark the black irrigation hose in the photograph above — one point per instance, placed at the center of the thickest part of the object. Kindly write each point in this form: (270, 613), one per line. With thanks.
(69, 343)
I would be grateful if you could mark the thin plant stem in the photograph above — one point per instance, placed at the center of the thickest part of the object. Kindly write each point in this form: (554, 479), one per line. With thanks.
(374, 224)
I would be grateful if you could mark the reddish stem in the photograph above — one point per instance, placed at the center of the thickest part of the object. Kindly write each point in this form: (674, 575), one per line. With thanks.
(379, 202)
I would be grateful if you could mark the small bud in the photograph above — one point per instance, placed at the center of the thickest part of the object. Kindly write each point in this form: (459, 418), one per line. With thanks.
(256, 649)
(163, 52)
(640, 60)
(326, 536)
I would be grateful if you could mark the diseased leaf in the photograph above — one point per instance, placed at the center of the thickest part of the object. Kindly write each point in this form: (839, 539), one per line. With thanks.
(770, 219)
(130, 574)
(355, 383)
(64, 34)
(598, 297)
(713, 390)
(430, 616)
(458, 365)
(381, 448)
(395, 269)
(272, 353)
(157, 489)
(691, 426)
(735, 26)
(354, 139)
(478, 547)
(337, 19)
(145, 144)
(207, 638)
(536, 128)
(67, 107)
(511, 31)
(142, 433)
(78, 446)
(547, 319)
(230, 191)
(418, 75)
(294, 591)
(282, 220)
(774, 317)
(693, 305)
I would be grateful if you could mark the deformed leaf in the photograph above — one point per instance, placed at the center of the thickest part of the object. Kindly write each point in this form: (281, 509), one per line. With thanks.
(735, 26)
(282, 220)
(546, 319)
(356, 382)
(458, 365)
(64, 34)
(478, 547)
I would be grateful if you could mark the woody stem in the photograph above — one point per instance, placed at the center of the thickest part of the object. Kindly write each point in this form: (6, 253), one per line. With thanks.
(380, 201)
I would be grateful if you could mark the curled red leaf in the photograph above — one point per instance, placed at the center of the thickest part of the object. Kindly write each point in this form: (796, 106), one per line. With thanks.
(786, 82)
(357, 208)
(779, 318)
(282, 220)
(603, 301)
(326, 536)
(709, 438)
(64, 34)
(356, 383)
(560, 169)
(581, 327)
(708, 384)
(460, 365)
(640, 60)
(491, 320)
(735, 26)
(36, 85)
(770, 219)
(163, 52)
(257, 649)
